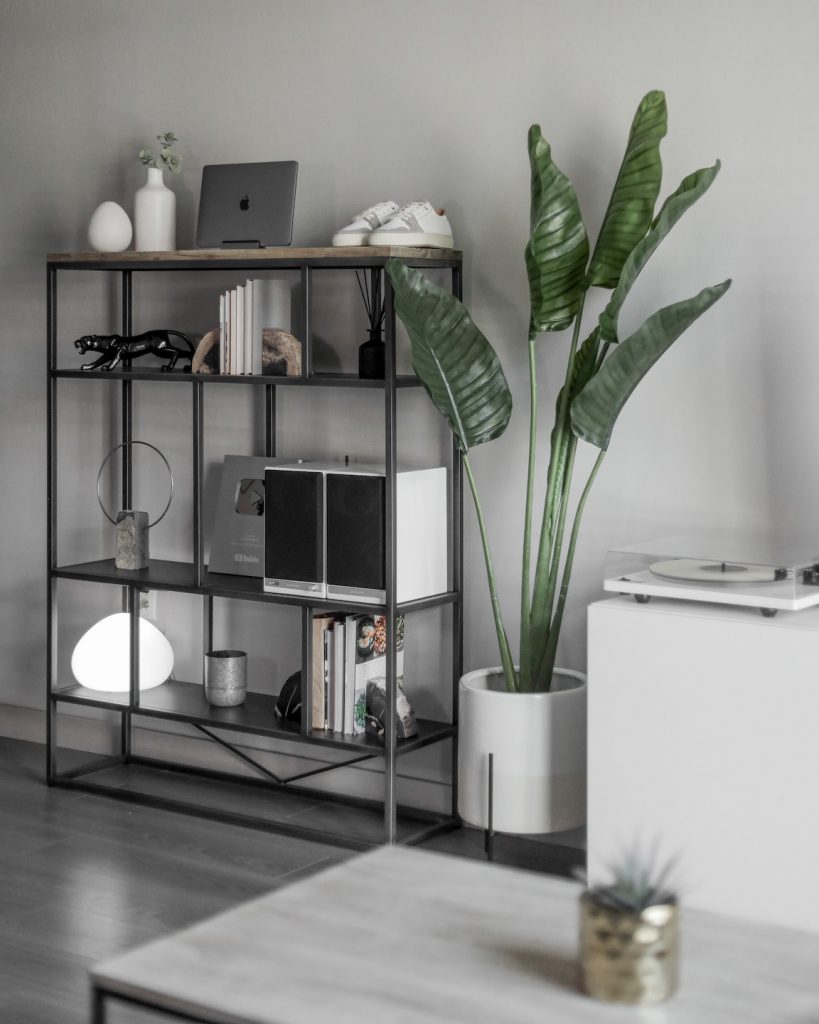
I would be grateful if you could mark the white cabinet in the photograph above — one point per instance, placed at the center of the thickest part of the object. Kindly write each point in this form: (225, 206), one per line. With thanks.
(704, 737)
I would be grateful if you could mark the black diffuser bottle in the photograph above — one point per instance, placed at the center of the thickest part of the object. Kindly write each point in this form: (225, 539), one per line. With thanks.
(371, 353)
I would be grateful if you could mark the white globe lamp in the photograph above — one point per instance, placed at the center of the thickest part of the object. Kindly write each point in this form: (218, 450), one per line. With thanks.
(101, 659)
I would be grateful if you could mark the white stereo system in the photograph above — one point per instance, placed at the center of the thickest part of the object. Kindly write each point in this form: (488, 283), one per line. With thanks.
(325, 532)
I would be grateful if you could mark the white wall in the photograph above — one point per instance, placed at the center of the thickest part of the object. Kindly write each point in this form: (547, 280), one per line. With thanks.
(433, 100)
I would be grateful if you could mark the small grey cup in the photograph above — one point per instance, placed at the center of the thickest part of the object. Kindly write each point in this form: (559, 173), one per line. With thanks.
(225, 678)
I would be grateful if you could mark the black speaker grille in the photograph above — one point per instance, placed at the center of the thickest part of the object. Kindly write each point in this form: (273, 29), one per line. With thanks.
(293, 528)
(355, 531)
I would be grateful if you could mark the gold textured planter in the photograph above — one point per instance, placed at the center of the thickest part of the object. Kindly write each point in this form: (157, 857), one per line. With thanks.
(628, 957)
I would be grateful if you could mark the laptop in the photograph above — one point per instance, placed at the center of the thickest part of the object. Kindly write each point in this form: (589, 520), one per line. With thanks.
(247, 206)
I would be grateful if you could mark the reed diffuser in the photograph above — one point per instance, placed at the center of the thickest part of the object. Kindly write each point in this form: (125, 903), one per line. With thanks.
(371, 352)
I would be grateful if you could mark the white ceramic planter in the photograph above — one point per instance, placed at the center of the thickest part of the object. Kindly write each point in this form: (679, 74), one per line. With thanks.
(155, 215)
(539, 746)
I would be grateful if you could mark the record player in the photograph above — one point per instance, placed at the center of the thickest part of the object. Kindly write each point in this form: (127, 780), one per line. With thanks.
(766, 576)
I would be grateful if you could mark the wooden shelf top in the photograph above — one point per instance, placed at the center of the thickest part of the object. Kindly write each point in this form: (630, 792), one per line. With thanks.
(351, 256)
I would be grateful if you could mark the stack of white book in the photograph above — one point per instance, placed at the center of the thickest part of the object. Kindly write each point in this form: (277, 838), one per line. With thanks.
(244, 312)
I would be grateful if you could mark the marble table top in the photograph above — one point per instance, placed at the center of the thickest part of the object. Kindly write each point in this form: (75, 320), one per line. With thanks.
(401, 936)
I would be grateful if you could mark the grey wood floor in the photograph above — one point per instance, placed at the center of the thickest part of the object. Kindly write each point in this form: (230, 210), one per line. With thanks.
(84, 877)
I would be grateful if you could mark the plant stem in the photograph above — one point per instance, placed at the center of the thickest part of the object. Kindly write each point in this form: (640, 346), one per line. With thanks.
(548, 662)
(509, 674)
(543, 582)
(555, 487)
(602, 356)
(544, 683)
(526, 582)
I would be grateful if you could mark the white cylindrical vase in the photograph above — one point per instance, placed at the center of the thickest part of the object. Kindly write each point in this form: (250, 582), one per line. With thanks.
(155, 215)
(539, 745)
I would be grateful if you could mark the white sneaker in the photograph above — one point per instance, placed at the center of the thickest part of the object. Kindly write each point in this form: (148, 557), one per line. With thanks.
(417, 223)
(358, 232)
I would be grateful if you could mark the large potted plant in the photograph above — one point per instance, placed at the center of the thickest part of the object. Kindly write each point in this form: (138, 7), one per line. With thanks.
(529, 714)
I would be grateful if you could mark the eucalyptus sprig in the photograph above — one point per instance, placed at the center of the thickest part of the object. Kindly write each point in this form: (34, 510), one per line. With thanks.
(166, 157)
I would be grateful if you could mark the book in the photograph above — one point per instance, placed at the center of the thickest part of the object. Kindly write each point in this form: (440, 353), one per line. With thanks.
(339, 674)
(318, 689)
(231, 330)
(330, 675)
(239, 347)
(247, 357)
(349, 673)
(222, 333)
(371, 661)
(250, 316)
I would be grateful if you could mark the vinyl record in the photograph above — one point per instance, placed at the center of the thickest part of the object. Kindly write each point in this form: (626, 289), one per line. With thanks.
(698, 571)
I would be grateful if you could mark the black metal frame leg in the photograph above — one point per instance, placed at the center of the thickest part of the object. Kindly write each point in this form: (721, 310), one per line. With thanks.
(489, 833)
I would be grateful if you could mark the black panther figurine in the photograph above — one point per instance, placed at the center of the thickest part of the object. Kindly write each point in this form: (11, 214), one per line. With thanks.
(115, 348)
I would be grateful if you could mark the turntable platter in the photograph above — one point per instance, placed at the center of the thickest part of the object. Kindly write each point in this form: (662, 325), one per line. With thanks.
(696, 570)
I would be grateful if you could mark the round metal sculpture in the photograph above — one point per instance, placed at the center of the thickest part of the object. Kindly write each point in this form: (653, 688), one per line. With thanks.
(132, 548)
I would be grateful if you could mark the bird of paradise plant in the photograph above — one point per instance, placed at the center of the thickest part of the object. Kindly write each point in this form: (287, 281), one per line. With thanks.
(463, 376)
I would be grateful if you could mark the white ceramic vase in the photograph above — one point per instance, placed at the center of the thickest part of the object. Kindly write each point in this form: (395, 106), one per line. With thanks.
(155, 215)
(539, 746)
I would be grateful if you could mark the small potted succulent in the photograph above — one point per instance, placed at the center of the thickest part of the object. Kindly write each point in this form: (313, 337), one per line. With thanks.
(155, 203)
(629, 935)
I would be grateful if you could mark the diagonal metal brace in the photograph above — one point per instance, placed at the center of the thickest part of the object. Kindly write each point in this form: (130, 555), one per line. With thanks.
(272, 775)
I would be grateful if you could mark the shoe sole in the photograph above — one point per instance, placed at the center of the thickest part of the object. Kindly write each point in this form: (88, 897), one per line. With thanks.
(351, 238)
(416, 239)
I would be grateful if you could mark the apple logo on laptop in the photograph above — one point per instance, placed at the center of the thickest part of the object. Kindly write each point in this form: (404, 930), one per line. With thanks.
(244, 203)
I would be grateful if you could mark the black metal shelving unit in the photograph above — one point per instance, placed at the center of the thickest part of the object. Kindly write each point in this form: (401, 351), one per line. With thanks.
(184, 702)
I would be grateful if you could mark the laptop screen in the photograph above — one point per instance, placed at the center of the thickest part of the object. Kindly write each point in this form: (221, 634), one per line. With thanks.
(247, 205)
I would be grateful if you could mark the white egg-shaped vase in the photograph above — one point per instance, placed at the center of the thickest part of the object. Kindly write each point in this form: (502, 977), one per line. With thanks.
(539, 745)
(102, 657)
(109, 229)
(155, 215)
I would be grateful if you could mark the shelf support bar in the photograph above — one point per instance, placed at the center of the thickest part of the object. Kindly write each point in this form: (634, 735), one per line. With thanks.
(391, 520)
(133, 609)
(271, 774)
(306, 670)
(456, 536)
(51, 523)
(239, 753)
(127, 315)
(270, 421)
(329, 768)
(198, 475)
(98, 765)
(307, 327)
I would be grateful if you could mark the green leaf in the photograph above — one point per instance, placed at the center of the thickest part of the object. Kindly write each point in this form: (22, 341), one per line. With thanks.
(690, 189)
(631, 206)
(598, 405)
(455, 363)
(558, 247)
